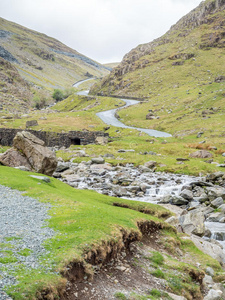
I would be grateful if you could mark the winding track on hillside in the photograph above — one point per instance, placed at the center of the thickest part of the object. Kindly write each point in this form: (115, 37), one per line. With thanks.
(109, 116)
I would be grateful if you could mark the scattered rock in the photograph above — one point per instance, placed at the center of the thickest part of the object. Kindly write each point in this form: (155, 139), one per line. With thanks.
(172, 221)
(193, 222)
(201, 154)
(182, 159)
(215, 192)
(150, 164)
(217, 202)
(222, 208)
(178, 200)
(200, 134)
(31, 123)
(214, 295)
(215, 217)
(62, 166)
(221, 165)
(187, 194)
(214, 176)
(101, 140)
(212, 249)
(220, 78)
(22, 168)
(97, 160)
(207, 280)
(176, 297)
(123, 150)
(42, 178)
(209, 271)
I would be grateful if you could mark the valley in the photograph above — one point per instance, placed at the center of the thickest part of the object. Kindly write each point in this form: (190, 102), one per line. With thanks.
(137, 212)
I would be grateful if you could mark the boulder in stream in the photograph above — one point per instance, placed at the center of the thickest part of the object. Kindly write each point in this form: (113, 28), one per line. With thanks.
(178, 200)
(217, 202)
(187, 194)
(193, 222)
(215, 192)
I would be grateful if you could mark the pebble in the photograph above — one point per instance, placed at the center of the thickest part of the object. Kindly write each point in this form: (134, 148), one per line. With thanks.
(22, 226)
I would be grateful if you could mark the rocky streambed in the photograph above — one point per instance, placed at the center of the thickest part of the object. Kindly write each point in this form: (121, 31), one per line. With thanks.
(200, 199)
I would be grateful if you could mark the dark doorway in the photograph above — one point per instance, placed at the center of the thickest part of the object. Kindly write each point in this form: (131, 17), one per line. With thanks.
(75, 141)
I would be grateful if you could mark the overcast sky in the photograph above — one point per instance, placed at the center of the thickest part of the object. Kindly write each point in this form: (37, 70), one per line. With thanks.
(104, 30)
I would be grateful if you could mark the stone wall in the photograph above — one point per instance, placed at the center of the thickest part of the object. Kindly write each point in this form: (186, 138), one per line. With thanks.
(52, 139)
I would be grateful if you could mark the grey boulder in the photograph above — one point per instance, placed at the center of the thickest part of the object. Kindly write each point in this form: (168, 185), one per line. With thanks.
(193, 223)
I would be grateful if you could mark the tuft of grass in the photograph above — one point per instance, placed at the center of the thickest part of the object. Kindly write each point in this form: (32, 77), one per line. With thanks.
(156, 294)
(120, 296)
(157, 258)
(12, 238)
(25, 252)
(7, 257)
(159, 274)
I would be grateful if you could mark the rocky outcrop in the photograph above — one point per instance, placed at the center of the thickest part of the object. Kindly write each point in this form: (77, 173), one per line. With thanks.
(14, 90)
(201, 154)
(147, 55)
(29, 151)
(7, 55)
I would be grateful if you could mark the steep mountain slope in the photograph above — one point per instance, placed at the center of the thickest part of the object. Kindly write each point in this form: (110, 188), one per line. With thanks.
(180, 76)
(15, 94)
(190, 52)
(43, 61)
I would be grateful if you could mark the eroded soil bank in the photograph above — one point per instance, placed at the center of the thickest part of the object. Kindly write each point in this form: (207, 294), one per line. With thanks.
(125, 269)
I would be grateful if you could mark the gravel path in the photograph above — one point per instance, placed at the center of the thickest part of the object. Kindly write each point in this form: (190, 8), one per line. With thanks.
(22, 233)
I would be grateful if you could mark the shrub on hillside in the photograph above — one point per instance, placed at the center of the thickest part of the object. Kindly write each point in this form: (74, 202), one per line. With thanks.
(58, 95)
(39, 102)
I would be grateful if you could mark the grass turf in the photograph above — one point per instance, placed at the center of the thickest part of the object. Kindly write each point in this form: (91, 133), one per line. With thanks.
(82, 221)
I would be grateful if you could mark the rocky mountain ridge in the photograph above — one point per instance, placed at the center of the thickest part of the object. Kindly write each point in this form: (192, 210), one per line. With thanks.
(201, 29)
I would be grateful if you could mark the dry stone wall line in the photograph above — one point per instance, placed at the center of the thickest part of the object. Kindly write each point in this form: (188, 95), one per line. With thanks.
(53, 139)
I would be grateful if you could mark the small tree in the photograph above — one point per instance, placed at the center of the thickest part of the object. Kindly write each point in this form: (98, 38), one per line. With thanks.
(58, 95)
(39, 101)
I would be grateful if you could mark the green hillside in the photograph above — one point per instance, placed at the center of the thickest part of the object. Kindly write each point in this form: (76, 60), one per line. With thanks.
(180, 76)
(44, 62)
